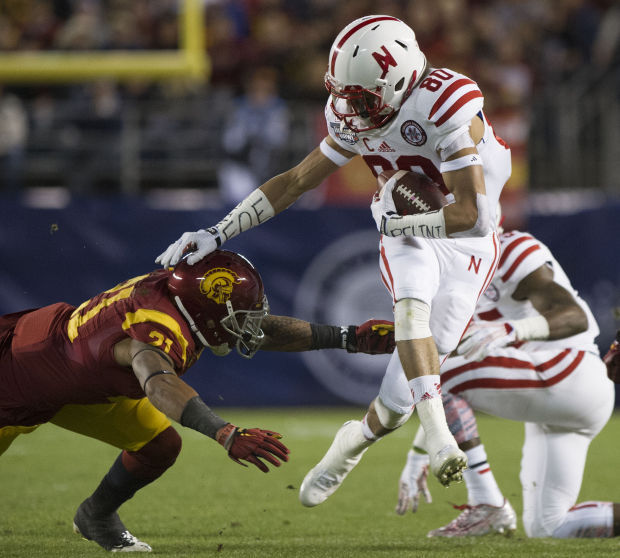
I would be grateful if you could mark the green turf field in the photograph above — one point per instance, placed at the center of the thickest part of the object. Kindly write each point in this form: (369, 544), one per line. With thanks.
(206, 505)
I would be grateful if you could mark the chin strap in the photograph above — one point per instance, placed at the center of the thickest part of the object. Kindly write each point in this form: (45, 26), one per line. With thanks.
(218, 350)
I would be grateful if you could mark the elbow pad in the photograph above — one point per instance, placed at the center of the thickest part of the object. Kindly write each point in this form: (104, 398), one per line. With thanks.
(482, 226)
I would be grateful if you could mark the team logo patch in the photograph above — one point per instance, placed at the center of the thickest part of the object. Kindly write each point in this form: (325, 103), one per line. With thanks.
(218, 284)
(344, 134)
(413, 133)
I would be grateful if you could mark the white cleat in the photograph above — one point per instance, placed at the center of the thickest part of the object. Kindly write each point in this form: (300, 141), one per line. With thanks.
(448, 464)
(325, 478)
(479, 520)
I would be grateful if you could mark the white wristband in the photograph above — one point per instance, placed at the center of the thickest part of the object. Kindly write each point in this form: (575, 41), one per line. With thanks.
(531, 328)
(425, 225)
(460, 163)
(250, 212)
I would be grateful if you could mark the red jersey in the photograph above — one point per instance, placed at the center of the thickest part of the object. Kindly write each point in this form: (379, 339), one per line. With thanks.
(60, 354)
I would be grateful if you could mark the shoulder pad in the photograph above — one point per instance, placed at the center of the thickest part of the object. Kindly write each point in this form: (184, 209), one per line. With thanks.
(521, 254)
(448, 99)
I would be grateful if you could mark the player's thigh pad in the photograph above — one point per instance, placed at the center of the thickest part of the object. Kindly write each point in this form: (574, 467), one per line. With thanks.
(124, 423)
(448, 275)
(395, 393)
(466, 268)
(409, 268)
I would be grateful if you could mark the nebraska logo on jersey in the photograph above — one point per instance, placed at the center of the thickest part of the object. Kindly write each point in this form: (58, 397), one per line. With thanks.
(413, 133)
(344, 134)
(218, 283)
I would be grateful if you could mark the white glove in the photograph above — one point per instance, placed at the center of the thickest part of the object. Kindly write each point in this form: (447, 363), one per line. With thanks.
(200, 243)
(413, 483)
(481, 338)
(383, 208)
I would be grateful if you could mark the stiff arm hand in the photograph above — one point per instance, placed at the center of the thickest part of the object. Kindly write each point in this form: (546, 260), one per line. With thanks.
(200, 243)
(250, 212)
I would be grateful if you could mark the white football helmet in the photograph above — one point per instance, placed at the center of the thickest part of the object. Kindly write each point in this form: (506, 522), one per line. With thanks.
(374, 63)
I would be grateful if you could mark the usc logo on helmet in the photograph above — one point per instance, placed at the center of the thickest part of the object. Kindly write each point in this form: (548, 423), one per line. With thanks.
(218, 283)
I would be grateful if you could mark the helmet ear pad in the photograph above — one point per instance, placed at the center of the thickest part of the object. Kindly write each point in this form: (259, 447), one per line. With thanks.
(222, 298)
(374, 56)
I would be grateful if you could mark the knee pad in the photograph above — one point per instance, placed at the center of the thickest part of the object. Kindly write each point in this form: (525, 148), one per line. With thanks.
(411, 319)
(389, 419)
(156, 456)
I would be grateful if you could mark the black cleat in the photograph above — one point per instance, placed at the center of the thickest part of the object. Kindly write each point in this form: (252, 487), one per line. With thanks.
(108, 531)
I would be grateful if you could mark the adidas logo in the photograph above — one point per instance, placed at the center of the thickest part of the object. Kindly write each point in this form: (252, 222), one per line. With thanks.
(385, 147)
(426, 396)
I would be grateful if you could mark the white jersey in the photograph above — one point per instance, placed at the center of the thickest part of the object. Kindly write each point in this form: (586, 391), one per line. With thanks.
(559, 388)
(439, 109)
(521, 254)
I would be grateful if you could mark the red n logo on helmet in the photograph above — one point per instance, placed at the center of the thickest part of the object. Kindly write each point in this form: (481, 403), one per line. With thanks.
(384, 60)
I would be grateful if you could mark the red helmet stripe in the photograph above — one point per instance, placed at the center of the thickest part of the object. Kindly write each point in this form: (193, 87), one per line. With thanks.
(353, 30)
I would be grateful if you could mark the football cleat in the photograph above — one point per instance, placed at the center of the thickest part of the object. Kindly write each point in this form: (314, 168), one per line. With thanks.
(325, 478)
(108, 532)
(475, 521)
(448, 464)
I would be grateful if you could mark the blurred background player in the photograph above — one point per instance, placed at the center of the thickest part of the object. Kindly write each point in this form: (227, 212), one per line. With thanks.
(528, 356)
(390, 107)
(255, 134)
(109, 369)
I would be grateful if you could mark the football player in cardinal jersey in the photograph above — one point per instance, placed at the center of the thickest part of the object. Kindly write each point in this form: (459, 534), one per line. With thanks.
(529, 355)
(389, 106)
(110, 369)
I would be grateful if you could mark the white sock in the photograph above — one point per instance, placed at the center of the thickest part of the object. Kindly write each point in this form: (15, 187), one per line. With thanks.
(481, 485)
(426, 392)
(425, 387)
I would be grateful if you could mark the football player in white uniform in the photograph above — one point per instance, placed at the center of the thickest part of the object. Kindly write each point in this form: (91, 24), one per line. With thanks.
(530, 356)
(390, 107)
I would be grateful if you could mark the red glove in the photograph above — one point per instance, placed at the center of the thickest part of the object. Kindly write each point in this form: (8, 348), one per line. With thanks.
(251, 444)
(373, 337)
(612, 360)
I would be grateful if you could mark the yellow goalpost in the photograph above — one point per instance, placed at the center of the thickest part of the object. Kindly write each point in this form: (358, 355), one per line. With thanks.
(190, 60)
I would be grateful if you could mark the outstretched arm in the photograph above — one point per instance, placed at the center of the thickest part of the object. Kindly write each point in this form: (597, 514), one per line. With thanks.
(179, 401)
(284, 333)
(262, 204)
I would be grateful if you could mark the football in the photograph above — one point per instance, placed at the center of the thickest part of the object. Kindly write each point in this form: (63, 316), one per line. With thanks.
(413, 192)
